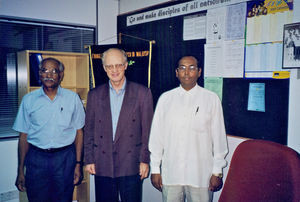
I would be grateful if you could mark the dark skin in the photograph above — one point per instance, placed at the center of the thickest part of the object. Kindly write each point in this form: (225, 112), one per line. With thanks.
(156, 181)
(188, 80)
(22, 151)
(50, 83)
(215, 183)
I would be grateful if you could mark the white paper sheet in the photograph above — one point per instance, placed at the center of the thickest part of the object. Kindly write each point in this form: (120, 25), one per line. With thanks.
(235, 21)
(233, 55)
(267, 28)
(224, 59)
(215, 26)
(213, 60)
(263, 58)
(194, 27)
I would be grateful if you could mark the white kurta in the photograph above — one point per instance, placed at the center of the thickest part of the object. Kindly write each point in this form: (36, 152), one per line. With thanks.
(188, 137)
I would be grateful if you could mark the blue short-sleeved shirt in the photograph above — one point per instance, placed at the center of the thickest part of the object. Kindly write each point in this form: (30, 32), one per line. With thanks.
(50, 123)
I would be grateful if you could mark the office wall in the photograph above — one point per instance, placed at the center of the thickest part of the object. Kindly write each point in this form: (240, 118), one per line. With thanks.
(108, 11)
(294, 106)
(294, 110)
(67, 11)
(8, 168)
(131, 5)
(84, 12)
(294, 94)
(150, 194)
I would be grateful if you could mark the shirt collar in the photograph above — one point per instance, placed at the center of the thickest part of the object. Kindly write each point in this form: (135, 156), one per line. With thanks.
(42, 92)
(121, 90)
(59, 91)
(192, 91)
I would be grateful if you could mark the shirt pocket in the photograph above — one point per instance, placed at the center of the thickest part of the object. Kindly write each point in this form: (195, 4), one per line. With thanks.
(200, 122)
(64, 117)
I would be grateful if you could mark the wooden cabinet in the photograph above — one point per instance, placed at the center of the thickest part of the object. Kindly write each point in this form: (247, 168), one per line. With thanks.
(76, 78)
(76, 74)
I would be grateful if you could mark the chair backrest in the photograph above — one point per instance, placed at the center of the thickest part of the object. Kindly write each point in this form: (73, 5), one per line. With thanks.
(262, 171)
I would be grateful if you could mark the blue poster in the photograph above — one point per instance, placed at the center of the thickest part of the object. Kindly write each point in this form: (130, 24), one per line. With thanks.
(256, 99)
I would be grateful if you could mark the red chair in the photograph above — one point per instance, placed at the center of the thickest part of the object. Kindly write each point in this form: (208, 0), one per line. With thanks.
(262, 171)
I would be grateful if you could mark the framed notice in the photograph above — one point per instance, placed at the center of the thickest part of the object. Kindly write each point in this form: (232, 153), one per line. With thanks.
(291, 46)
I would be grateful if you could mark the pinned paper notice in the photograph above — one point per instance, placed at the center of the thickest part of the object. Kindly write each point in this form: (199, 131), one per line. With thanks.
(256, 99)
(214, 84)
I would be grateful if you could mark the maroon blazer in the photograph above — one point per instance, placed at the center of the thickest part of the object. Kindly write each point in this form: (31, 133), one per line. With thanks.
(122, 156)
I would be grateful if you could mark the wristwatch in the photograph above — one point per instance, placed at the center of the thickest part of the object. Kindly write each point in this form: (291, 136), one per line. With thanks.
(219, 175)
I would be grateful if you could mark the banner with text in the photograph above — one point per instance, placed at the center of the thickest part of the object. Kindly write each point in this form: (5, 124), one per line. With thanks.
(177, 10)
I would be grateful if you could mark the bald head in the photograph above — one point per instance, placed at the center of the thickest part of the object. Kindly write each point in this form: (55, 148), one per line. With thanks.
(115, 52)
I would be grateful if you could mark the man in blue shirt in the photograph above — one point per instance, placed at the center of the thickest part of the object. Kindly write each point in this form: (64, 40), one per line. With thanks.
(50, 122)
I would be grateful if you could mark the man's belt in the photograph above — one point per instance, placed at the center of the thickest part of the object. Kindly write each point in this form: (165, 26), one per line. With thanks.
(51, 150)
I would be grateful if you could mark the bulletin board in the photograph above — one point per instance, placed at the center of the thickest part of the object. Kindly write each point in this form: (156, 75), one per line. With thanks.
(170, 47)
(269, 125)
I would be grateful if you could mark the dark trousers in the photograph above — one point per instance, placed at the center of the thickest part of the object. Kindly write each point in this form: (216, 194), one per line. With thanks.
(49, 176)
(108, 189)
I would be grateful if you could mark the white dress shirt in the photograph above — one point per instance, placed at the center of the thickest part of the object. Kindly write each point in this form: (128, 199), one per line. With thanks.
(188, 137)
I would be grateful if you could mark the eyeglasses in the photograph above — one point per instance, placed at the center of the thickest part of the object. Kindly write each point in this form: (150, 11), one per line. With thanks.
(191, 68)
(48, 71)
(117, 66)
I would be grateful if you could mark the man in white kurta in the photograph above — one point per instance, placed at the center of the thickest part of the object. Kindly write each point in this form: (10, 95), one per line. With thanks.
(187, 140)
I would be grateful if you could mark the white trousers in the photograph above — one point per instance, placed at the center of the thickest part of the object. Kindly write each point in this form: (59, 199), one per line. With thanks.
(178, 193)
